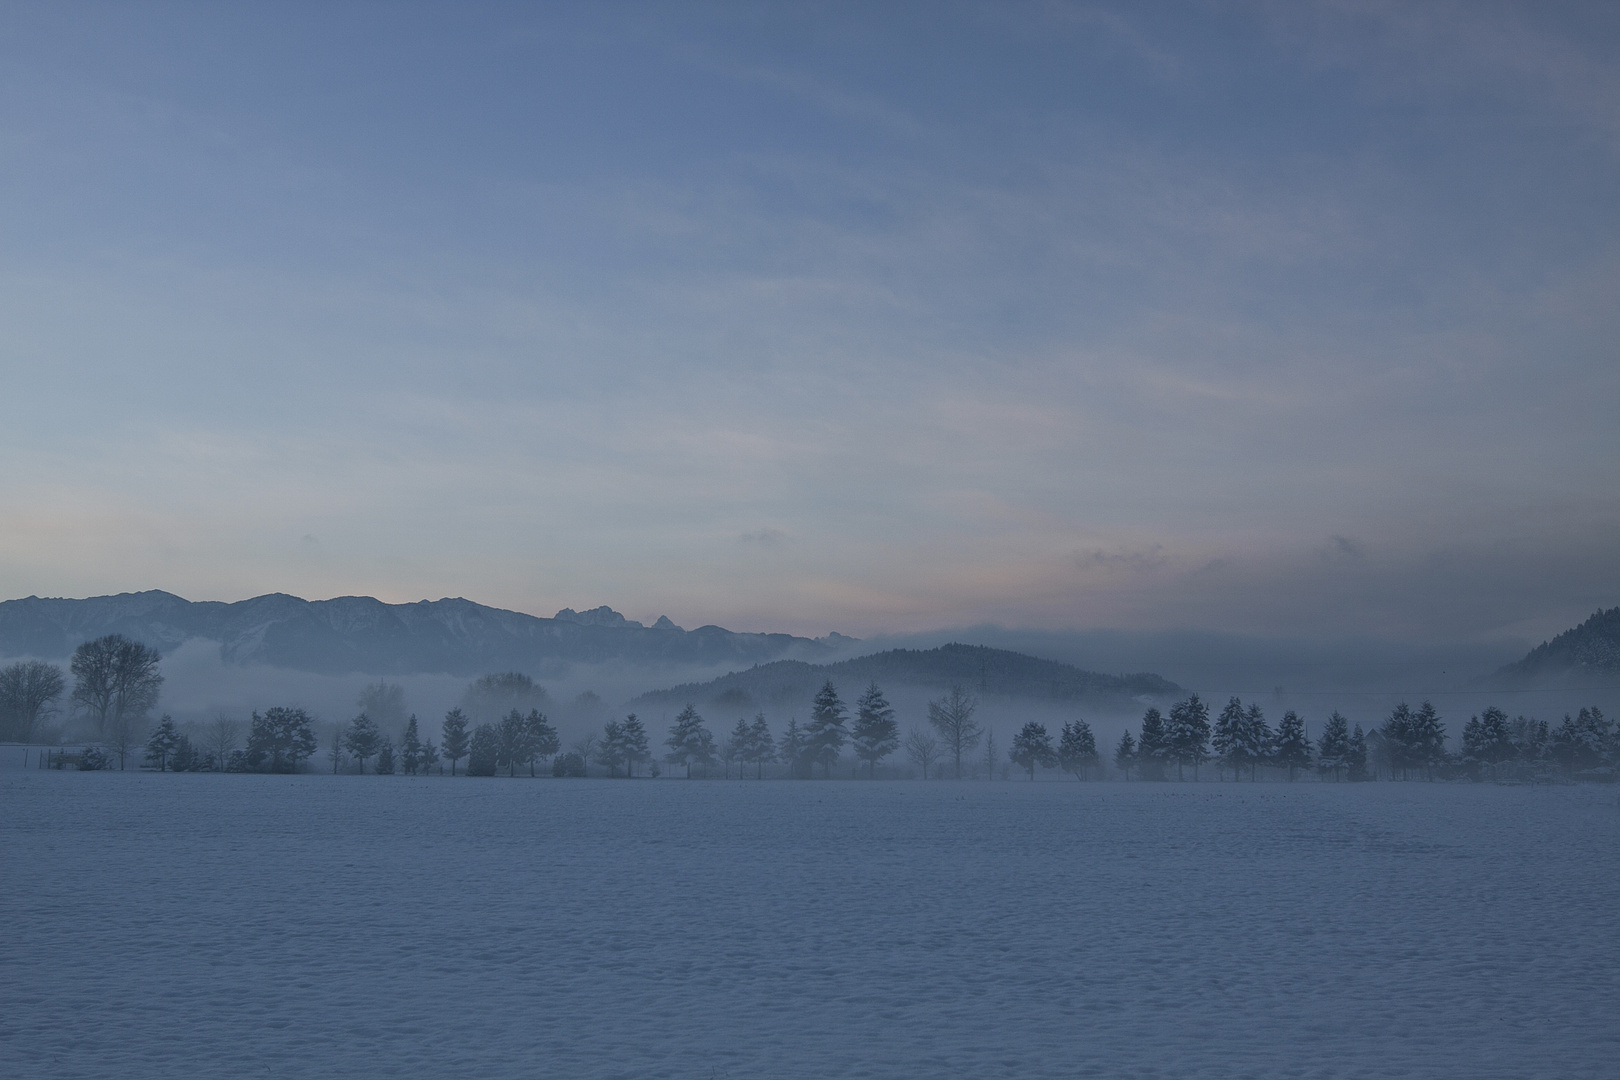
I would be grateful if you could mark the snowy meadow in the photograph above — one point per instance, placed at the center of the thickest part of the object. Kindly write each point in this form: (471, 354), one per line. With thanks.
(308, 926)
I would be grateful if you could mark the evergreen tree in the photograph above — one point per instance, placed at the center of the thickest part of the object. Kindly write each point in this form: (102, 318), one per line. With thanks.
(1333, 749)
(1125, 754)
(362, 739)
(1257, 740)
(542, 740)
(876, 734)
(483, 751)
(761, 747)
(791, 750)
(824, 735)
(1188, 733)
(634, 735)
(385, 757)
(736, 747)
(430, 757)
(512, 746)
(454, 738)
(1032, 746)
(1356, 760)
(1077, 748)
(1153, 748)
(278, 741)
(1429, 739)
(989, 753)
(1531, 739)
(689, 742)
(1582, 742)
(1293, 749)
(1228, 736)
(186, 757)
(410, 748)
(610, 751)
(1487, 741)
(161, 743)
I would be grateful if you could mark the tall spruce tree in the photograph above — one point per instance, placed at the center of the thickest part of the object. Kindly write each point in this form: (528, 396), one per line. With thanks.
(1333, 748)
(1356, 760)
(610, 751)
(1487, 741)
(430, 757)
(454, 740)
(1428, 738)
(410, 748)
(385, 757)
(736, 747)
(689, 742)
(362, 739)
(1153, 747)
(761, 747)
(162, 743)
(824, 735)
(1125, 754)
(1227, 737)
(1032, 747)
(876, 735)
(1077, 749)
(1188, 732)
(1257, 739)
(1293, 749)
(634, 735)
(483, 751)
(542, 740)
(512, 745)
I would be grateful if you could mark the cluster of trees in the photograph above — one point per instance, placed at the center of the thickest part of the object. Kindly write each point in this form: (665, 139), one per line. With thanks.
(1409, 742)
(115, 687)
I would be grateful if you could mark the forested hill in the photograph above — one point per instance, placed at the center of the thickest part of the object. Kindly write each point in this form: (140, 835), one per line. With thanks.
(362, 634)
(978, 668)
(1592, 648)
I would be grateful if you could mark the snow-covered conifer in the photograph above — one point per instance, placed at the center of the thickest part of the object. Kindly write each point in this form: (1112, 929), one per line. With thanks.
(1292, 750)
(454, 738)
(1032, 746)
(1077, 748)
(161, 743)
(824, 735)
(876, 734)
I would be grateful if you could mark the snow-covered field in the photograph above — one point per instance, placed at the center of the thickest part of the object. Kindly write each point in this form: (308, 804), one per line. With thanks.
(239, 926)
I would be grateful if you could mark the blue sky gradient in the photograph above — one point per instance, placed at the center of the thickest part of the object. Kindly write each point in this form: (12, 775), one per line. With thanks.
(1270, 318)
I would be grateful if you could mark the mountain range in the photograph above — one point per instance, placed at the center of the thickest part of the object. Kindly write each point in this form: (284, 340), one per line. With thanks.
(977, 668)
(362, 634)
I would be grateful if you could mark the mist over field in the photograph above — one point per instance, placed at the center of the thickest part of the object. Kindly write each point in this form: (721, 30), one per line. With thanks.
(985, 538)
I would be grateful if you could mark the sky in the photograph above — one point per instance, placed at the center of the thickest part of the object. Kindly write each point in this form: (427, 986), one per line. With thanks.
(1285, 319)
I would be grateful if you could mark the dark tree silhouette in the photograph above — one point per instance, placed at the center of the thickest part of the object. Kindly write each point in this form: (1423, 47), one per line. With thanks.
(116, 681)
(1031, 747)
(161, 744)
(1153, 747)
(876, 735)
(1125, 754)
(1333, 748)
(689, 742)
(483, 751)
(1077, 748)
(1188, 734)
(454, 738)
(28, 692)
(824, 735)
(1292, 749)
(362, 739)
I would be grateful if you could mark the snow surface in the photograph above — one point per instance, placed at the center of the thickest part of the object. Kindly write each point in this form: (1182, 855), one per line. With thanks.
(314, 926)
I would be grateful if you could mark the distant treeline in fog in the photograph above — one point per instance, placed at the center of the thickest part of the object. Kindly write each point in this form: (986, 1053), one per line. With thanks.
(502, 727)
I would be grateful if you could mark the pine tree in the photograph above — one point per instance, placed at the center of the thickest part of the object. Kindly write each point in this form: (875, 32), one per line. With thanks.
(454, 738)
(385, 757)
(1584, 741)
(689, 742)
(1188, 734)
(1228, 736)
(1032, 746)
(410, 749)
(824, 735)
(483, 751)
(1333, 749)
(513, 745)
(1400, 736)
(634, 735)
(362, 739)
(1428, 739)
(1356, 760)
(278, 741)
(1077, 748)
(735, 748)
(1152, 749)
(186, 758)
(1125, 754)
(542, 741)
(791, 750)
(430, 757)
(761, 747)
(1257, 740)
(876, 734)
(610, 751)
(1293, 749)
(1487, 741)
(161, 743)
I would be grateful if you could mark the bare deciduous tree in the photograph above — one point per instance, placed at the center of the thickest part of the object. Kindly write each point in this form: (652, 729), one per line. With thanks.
(952, 717)
(923, 749)
(28, 692)
(116, 682)
(220, 737)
